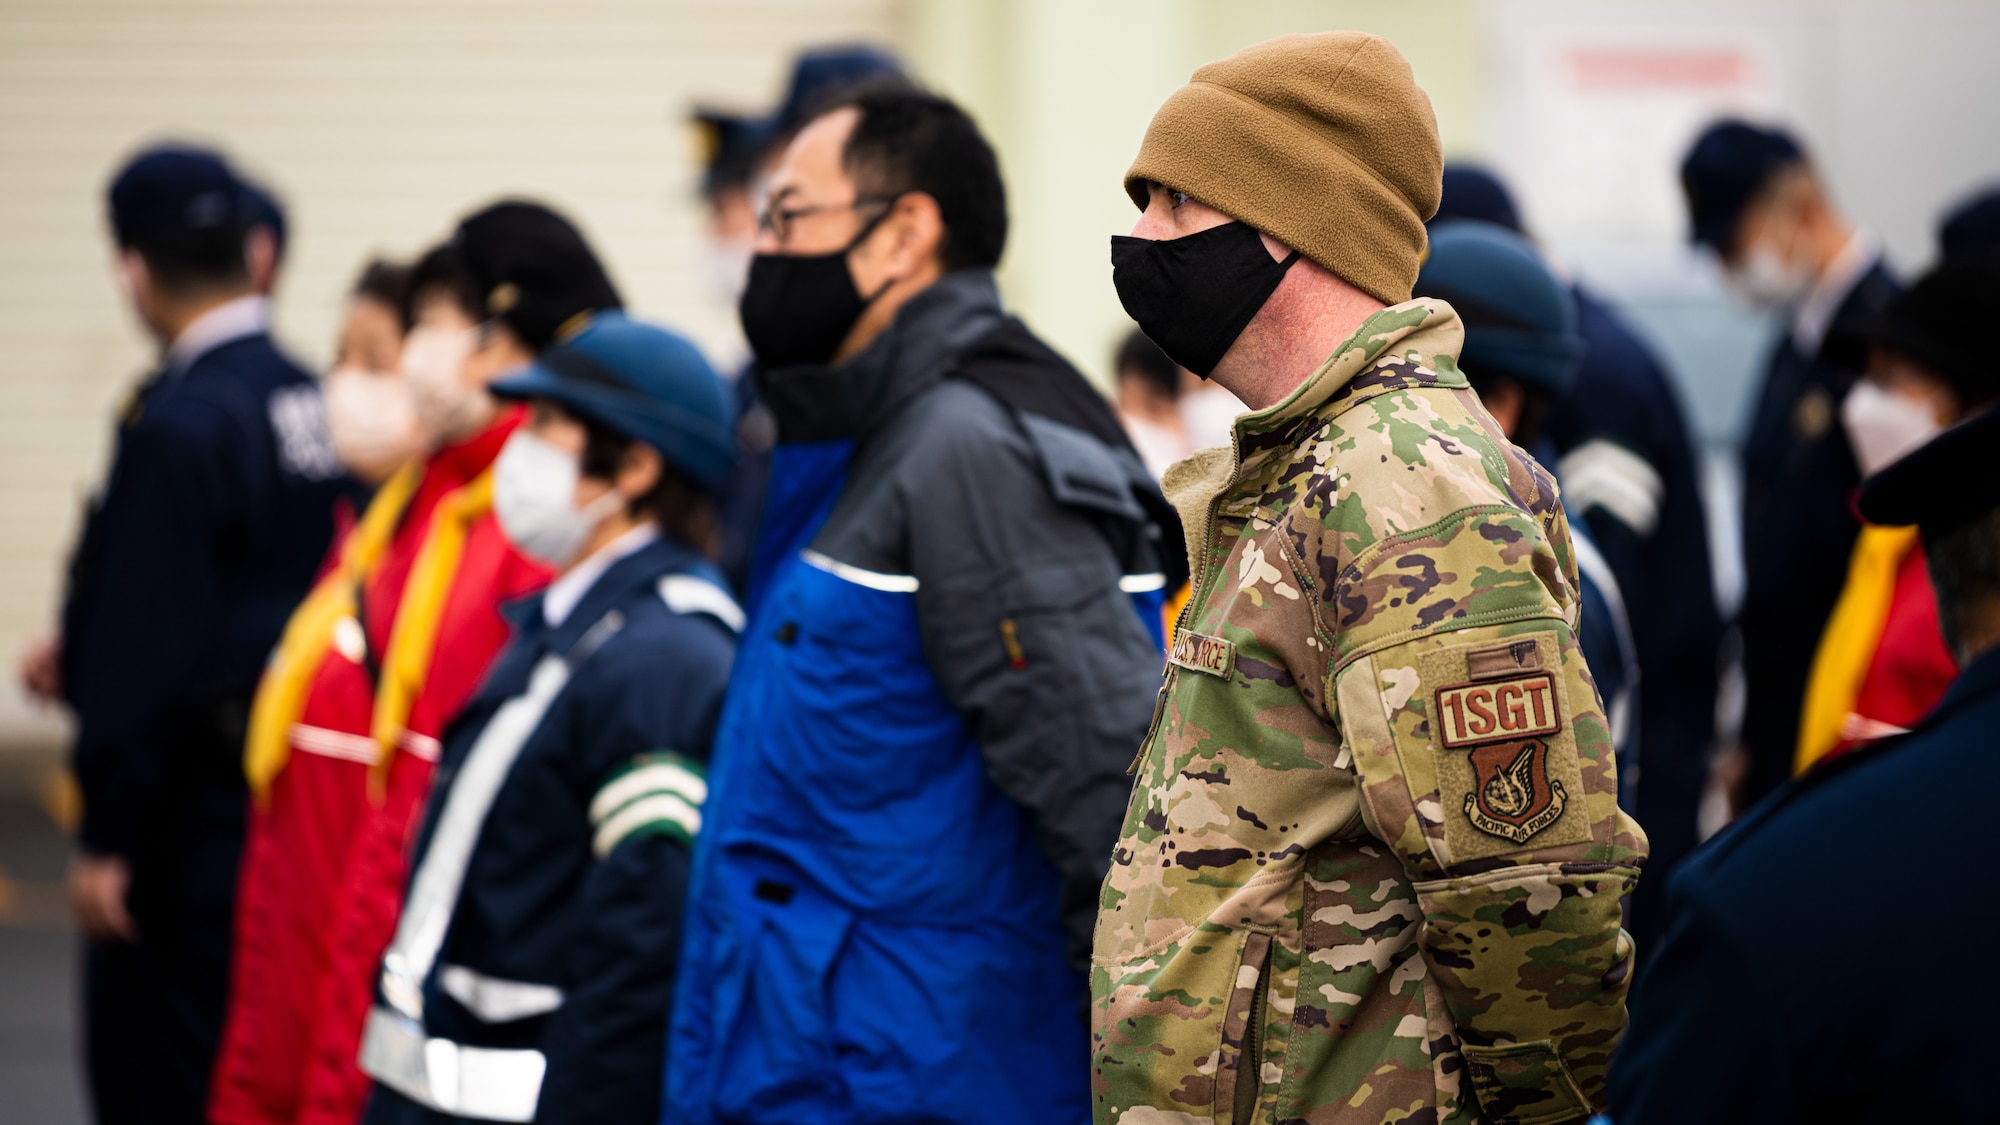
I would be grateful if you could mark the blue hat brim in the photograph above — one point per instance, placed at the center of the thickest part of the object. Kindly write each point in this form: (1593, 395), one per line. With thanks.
(679, 436)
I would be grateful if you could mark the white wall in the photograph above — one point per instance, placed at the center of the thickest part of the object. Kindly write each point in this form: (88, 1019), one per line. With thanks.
(379, 123)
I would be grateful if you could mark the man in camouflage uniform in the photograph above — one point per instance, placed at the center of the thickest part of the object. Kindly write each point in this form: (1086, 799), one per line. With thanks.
(1372, 866)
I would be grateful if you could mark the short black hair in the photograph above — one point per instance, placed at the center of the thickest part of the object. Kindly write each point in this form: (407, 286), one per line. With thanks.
(1964, 564)
(388, 283)
(1139, 355)
(684, 510)
(192, 261)
(911, 140)
(443, 268)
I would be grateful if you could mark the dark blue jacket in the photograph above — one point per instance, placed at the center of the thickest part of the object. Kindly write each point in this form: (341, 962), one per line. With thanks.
(1629, 464)
(1799, 524)
(1824, 958)
(921, 769)
(561, 936)
(215, 517)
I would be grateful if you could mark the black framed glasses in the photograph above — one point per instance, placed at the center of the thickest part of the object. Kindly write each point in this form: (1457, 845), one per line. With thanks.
(777, 221)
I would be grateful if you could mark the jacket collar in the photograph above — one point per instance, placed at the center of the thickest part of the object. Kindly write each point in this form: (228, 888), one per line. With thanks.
(852, 399)
(1977, 683)
(637, 571)
(226, 323)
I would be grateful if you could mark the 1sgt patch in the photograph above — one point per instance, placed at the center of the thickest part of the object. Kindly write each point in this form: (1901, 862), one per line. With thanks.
(1202, 653)
(1507, 767)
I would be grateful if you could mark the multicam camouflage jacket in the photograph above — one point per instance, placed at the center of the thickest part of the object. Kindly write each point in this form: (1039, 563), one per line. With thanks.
(1372, 866)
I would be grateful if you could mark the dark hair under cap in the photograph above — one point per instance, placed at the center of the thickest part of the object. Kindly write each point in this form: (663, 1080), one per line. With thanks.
(1929, 323)
(1972, 227)
(530, 268)
(1724, 170)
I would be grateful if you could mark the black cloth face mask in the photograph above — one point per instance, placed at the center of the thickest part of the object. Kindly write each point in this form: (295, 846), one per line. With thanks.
(797, 308)
(1193, 295)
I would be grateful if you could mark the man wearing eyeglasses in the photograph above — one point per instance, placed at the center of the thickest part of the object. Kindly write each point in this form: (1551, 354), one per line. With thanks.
(951, 656)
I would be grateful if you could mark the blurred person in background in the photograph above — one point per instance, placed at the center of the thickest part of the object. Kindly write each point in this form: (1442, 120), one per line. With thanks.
(1882, 662)
(1757, 201)
(376, 663)
(1785, 992)
(369, 410)
(541, 922)
(951, 655)
(219, 503)
(1628, 465)
(1521, 353)
(1373, 859)
(1149, 395)
(1972, 227)
(741, 153)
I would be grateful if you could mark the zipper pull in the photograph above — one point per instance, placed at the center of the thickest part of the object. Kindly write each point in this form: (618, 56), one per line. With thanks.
(1011, 641)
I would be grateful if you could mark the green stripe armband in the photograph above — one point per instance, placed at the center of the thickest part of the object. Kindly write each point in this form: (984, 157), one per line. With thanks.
(658, 794)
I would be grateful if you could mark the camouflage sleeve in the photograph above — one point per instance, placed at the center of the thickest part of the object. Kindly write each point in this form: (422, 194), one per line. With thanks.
(1485, 762)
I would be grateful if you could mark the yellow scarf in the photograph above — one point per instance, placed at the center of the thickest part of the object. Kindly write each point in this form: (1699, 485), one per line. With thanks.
(413, 639)
(1848, 645)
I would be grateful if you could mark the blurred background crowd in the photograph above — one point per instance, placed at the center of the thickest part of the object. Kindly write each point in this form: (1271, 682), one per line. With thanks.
(1725, 288)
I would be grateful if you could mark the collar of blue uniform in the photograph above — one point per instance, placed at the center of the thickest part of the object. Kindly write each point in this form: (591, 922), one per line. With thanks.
(642, 568)
(1979, 680)
(854, 398)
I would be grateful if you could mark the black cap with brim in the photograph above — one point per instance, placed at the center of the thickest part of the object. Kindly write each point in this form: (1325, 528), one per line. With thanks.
(1726, 168)
(1943, 484)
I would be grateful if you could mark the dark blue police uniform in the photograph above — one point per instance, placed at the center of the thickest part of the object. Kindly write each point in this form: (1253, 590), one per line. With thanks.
(1627, 462)
(217, 512)
(1823, 959)
(537, 946)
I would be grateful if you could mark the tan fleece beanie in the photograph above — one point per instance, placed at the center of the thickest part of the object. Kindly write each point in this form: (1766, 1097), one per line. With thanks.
(1323, 141)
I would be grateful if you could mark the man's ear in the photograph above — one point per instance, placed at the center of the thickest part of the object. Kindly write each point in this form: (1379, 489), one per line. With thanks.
(260, 256)
(639, 470)
(916, 226)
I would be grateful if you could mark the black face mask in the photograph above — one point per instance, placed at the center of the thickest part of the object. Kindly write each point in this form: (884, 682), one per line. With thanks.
(1193, 295)
(797, 308)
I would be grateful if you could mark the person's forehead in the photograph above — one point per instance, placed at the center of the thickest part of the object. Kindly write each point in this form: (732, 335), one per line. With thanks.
(813, 161)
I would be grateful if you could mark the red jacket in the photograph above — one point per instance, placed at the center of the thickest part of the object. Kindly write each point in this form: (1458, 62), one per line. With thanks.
(311, 856)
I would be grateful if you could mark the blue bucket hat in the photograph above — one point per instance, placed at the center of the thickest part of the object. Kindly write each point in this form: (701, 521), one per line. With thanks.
(640, 381)
(1520, 320)
(175, 189)
(1724, 170)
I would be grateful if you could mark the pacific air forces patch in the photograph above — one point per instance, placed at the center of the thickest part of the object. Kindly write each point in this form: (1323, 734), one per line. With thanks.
(1507, 761)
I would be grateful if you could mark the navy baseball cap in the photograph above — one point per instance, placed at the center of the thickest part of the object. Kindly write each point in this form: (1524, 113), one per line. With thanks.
(820, 74)
(1724, 170)
(1471, 192)
(1520, 319)
(641, 381)
(176, 189)
(1972, 227)
(265, 211)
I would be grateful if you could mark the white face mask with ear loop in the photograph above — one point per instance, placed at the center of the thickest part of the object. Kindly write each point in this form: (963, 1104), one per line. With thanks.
(1883, 426)
(433, 359)
(534, 497)
(372, 420)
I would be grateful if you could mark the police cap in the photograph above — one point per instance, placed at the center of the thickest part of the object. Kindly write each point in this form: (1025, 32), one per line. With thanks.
(531, 269)
(640, 381)
(819, 75)
(1725, 169)
(1471, 192)
(1972, 227)
(174, 189)
(1943, 484)
(1520, 319)
(1927, 323)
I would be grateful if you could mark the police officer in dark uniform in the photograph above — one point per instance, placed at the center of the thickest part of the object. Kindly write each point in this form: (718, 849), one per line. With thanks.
(1754, 199)
(1825, 961)
(1628, 464)
(218, 508)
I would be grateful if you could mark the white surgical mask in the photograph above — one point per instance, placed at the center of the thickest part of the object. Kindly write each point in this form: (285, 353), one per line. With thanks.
(1882, 426)
(1767, 280)
(433, 359)
(534, 497)
(372, 420)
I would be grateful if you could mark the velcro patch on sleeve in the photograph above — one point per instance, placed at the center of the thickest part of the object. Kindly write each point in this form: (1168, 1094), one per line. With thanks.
(1496, 710)
(1508, 774)
(1200, 652)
